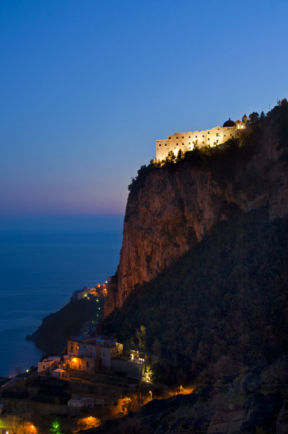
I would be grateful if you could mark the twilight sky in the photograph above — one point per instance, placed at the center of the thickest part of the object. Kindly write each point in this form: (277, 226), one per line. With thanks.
(87, 86)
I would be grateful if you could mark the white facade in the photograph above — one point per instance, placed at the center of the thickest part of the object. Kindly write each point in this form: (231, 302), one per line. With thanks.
(195, 139)
(89, 354)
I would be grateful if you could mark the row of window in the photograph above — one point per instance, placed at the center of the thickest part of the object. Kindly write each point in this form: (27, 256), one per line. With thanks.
(203, 135)
(208, 132)
(217, 135)
(217, 141)
(177, 144)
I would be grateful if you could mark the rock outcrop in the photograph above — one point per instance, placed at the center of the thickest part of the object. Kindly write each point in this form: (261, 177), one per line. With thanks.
(177, 205)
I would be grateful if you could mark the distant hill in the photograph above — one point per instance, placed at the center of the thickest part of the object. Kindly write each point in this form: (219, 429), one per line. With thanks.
(51, 336)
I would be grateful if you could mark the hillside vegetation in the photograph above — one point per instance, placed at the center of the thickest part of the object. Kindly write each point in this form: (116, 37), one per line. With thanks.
(220, 307)
(223, 305)
(51, 336)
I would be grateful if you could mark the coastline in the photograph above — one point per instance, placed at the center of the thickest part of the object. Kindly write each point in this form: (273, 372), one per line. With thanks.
(40, 269)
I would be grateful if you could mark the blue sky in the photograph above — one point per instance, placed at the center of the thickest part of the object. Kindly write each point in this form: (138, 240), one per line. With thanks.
(88, 86)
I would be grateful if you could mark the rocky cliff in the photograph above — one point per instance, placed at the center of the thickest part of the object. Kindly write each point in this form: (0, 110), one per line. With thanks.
(172, 208)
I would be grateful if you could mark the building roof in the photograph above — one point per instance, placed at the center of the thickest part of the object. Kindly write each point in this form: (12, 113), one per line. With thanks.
(80, 338)
(51, 358)
(87, 339)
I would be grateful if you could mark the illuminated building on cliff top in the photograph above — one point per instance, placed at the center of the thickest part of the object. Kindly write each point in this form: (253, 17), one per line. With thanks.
(198, 139)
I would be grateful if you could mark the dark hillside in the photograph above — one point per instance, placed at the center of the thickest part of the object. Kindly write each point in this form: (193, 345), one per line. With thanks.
(51, 336)
(175, 204)
(220, 307)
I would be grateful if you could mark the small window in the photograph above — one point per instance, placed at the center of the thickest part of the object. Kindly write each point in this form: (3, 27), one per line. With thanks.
(177, 137)
(182, 137)
(176, 144)
(189, 137)
(182, 144)
(165, 144)
(203, 135)
(208, 139)
(169, 137)
(196, 137)
(159, 144)
(217, 134)
(208, 132)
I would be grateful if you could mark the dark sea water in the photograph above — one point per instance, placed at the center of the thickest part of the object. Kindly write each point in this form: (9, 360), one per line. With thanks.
(42, 262)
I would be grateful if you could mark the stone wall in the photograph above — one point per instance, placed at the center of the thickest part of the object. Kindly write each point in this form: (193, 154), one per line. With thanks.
(191, 139)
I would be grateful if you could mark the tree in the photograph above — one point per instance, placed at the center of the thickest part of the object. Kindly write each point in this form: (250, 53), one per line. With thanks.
(253, 118)
(171, 158)
(156, 348)
(141, 337)
(180, 156)
(56, 427)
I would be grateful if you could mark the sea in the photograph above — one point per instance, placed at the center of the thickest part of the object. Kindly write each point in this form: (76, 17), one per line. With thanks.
(43, 260)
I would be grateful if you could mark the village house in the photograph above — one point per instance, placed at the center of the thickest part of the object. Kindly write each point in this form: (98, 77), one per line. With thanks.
(96, 354)
(48, 363)
(91, 354)
(132, 368)
(99, 291)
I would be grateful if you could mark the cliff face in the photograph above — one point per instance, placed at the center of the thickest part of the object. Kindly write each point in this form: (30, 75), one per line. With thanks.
(177, 205)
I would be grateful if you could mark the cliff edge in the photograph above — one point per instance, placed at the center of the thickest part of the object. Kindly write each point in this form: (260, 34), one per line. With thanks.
(171, 208)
